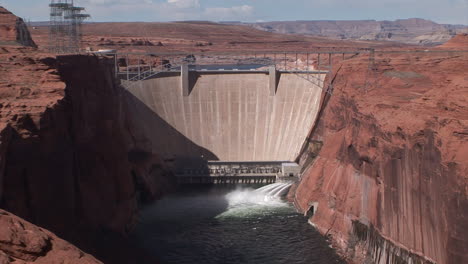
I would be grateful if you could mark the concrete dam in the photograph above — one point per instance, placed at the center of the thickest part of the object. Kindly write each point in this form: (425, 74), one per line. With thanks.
(227, 116)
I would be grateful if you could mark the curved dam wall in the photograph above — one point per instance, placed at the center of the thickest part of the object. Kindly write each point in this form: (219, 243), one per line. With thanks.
(227, 116)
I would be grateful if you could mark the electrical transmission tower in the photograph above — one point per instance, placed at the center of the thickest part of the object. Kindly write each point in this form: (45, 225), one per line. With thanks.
(65, 26)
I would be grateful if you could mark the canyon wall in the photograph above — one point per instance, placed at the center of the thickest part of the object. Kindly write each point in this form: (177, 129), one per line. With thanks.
(386, 164)
(229, 116)
(69, 158)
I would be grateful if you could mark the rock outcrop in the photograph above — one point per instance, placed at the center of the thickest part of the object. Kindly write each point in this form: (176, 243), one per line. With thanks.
(387, 166)
(13, 30)
(22, 243)
(460, 42)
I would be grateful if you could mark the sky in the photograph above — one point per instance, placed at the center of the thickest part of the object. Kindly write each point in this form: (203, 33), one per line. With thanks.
(441, 11)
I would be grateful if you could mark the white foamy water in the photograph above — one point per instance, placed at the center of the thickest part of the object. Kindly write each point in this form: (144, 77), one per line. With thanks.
(245, 202)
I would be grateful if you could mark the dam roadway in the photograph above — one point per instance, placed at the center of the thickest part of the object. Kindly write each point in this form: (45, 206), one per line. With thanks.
(226, 116)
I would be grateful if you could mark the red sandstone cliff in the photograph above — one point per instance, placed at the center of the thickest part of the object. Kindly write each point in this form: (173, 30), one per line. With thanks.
(13, 30)
(70, 160)
(22, 242)
(390, 181)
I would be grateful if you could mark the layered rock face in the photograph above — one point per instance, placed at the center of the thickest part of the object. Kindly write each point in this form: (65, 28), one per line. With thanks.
(13, 30)
(22, 242)
(69, 160)
(387, 162)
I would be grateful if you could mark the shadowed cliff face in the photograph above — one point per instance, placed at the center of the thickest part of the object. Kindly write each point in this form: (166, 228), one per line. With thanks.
(75, 154)
(78, 164)
(71, 167)
(389, 183)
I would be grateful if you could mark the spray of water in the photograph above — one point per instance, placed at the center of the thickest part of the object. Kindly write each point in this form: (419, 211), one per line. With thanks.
(245, 202)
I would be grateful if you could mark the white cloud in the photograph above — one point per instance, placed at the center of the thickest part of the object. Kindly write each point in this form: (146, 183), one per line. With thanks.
(171, 10)
(184, 3)
(448, 11)
(115, 2)
(229, 13)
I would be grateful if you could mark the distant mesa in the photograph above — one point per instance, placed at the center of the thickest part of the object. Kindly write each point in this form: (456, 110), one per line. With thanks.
(13, 30)
(197, 22)
(411, 31)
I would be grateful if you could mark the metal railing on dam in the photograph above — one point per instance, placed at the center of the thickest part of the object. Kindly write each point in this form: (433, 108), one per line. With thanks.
(318, 60)
(135, 67)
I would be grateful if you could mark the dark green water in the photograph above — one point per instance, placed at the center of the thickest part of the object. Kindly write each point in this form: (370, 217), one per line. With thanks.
(224, 225)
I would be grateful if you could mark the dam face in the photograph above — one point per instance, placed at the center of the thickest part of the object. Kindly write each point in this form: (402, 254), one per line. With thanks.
(227, 116)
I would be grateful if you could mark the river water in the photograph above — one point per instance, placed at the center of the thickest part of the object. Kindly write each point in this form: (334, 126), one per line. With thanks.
(224, 225)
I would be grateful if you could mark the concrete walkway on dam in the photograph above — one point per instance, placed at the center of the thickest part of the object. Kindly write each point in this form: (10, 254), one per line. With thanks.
(226, 116)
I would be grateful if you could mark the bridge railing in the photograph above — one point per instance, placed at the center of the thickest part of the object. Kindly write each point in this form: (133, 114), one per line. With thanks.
(143, 72)
(306, 61)
(136, 67)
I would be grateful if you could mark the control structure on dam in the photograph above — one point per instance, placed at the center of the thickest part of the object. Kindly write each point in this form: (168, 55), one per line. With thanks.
(198, 109)
(241, 172)
(231, 172)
